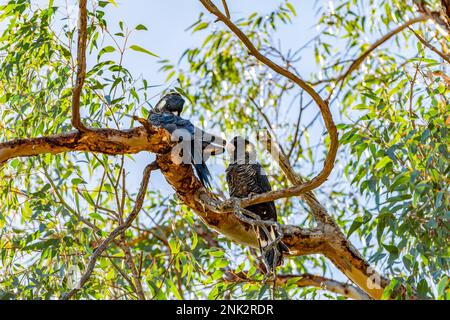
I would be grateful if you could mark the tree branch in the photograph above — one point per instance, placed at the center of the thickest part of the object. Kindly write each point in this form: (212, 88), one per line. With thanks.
(427, 44)
(108, 141)
(225, 6)
(307, 280)
(358, 61)
(129, 260)
(81, 66)
(441, 18)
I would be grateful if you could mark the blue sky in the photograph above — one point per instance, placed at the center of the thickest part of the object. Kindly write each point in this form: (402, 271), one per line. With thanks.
(168, 19)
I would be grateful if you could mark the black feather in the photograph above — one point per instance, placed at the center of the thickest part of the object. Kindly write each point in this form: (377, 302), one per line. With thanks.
(186, 132)
(245, 178)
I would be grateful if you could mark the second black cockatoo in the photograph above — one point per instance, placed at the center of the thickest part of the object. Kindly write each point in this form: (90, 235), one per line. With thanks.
(245, 176)
(197, 145)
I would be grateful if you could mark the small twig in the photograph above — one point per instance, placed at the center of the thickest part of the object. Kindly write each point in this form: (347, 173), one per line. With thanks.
(411, 94)
(427, 44)
(129, 260)
(317, 210)
(297, 127)
(358, 61)
(172, 259)
(225, 6)
(145, 123)
(123, 274)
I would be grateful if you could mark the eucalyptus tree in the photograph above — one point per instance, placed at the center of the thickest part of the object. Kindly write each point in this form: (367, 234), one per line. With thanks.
(358, 155)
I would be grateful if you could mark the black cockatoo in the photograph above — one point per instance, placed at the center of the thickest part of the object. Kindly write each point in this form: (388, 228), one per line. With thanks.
(245, 176)
(197, 145)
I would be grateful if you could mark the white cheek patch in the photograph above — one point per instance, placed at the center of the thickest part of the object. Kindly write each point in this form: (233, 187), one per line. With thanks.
(175, 113)
(161, 104)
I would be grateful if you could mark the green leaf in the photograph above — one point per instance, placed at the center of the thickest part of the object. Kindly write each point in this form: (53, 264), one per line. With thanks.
(422, 288)
(391, 249)
(107, 49)
(140, 49)
(144, 112)
(355, 225)
(442, 286)
(194, 241)
(113, 2)
(174, 246)
(141, 27)
(291, 7)
(383, 162)
(217, 254)
(76, 181)
(201, 26)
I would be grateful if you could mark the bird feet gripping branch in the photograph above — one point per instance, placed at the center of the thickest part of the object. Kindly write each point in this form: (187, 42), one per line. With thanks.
(265, 226)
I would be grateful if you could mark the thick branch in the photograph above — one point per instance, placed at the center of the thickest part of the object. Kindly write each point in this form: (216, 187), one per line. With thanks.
(441, 17)
(190, 192)
(310, 280)
(108, 141)
(81, 66)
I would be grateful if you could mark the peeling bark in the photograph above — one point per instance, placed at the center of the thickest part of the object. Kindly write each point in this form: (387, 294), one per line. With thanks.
(108, 141)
